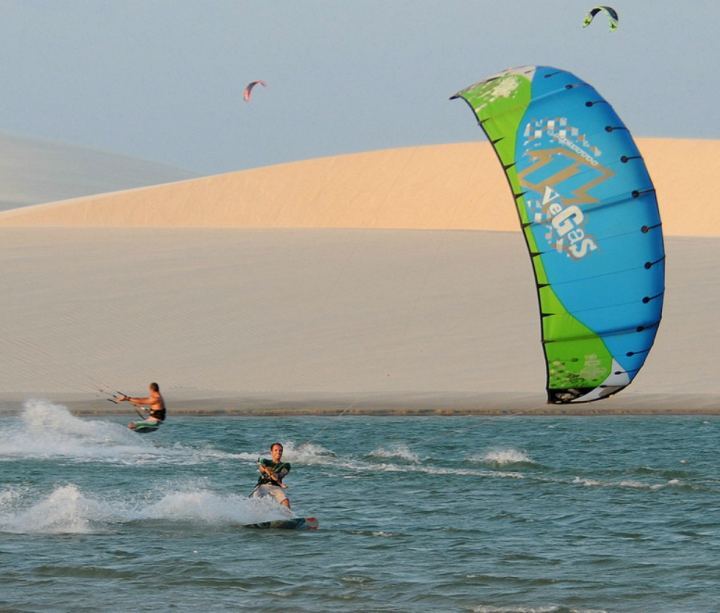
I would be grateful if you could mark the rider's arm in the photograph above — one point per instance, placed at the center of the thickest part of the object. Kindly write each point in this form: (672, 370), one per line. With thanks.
(150, 400)
(139, 401)
(275, 478)
(263, 467)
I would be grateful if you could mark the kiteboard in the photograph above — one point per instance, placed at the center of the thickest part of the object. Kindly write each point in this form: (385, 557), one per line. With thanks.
(296, 523)
(141, 428)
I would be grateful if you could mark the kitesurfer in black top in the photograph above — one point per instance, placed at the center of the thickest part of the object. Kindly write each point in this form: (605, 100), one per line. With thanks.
(155, 404)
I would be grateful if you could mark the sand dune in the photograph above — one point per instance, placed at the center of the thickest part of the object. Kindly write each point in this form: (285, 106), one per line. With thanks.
(33, 171)
(439, 187)
(425, 305)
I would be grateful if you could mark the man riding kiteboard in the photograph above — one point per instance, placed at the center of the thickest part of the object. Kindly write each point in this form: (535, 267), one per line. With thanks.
(156, 408)
(272, 473)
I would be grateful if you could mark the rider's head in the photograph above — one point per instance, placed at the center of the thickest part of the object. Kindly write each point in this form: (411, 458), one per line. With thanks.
(276, 450)
(154, 387)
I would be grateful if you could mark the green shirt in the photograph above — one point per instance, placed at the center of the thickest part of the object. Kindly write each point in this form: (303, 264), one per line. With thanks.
(281, 469)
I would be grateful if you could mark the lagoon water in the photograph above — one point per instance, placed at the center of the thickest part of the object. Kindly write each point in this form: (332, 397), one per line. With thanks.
(416, 514)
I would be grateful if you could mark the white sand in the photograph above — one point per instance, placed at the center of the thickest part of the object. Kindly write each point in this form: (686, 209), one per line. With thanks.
(315, 318)
(254, 319)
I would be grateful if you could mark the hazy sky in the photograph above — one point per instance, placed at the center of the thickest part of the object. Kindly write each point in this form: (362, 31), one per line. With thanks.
(163, 79)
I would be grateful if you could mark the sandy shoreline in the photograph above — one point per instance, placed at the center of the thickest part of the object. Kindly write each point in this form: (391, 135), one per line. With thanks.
(316, 321)
(406, 405)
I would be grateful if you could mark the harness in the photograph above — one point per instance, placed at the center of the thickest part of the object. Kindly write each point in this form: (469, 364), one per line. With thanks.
(158, 414)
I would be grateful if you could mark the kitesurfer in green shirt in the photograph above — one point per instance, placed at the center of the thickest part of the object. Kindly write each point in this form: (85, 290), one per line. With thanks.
(272, 473)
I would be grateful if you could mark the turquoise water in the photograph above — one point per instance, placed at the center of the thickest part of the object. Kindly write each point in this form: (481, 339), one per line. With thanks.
(416, 514)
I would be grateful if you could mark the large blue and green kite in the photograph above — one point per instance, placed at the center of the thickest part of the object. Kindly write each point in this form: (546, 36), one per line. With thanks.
(590, 218)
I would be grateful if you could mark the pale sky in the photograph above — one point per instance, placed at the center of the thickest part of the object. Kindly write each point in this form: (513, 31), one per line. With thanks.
(162, 80)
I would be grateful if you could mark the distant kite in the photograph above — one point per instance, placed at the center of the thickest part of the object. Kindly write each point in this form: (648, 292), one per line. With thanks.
(611, 13)
(250, 86)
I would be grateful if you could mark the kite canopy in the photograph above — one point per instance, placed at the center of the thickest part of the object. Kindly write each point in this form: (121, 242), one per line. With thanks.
(613, 19)
(590, 219)
(247, 92)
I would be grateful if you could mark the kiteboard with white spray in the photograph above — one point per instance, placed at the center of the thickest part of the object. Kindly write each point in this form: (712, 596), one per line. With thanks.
(295, 523)
(141, 427)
